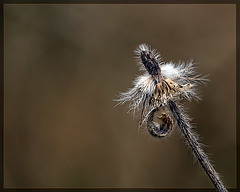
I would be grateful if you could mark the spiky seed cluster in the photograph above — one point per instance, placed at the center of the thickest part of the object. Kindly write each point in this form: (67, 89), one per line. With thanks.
(161, 82)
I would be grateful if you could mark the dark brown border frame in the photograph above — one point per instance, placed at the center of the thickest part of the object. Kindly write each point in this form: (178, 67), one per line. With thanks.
(236, 2)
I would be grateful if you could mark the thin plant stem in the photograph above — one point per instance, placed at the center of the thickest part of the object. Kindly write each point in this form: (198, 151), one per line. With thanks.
(196, 147)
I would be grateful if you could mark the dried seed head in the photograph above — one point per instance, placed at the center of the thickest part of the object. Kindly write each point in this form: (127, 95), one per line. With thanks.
(161, 82)
(160, 89)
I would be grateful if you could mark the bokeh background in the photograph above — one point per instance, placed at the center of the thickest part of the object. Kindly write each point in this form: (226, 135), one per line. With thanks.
(64, 66)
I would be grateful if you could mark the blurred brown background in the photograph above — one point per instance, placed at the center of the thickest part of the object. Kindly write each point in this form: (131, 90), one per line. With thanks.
(64, 65)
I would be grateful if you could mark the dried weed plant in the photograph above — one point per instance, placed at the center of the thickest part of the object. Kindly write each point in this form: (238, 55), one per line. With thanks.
(161, 89)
